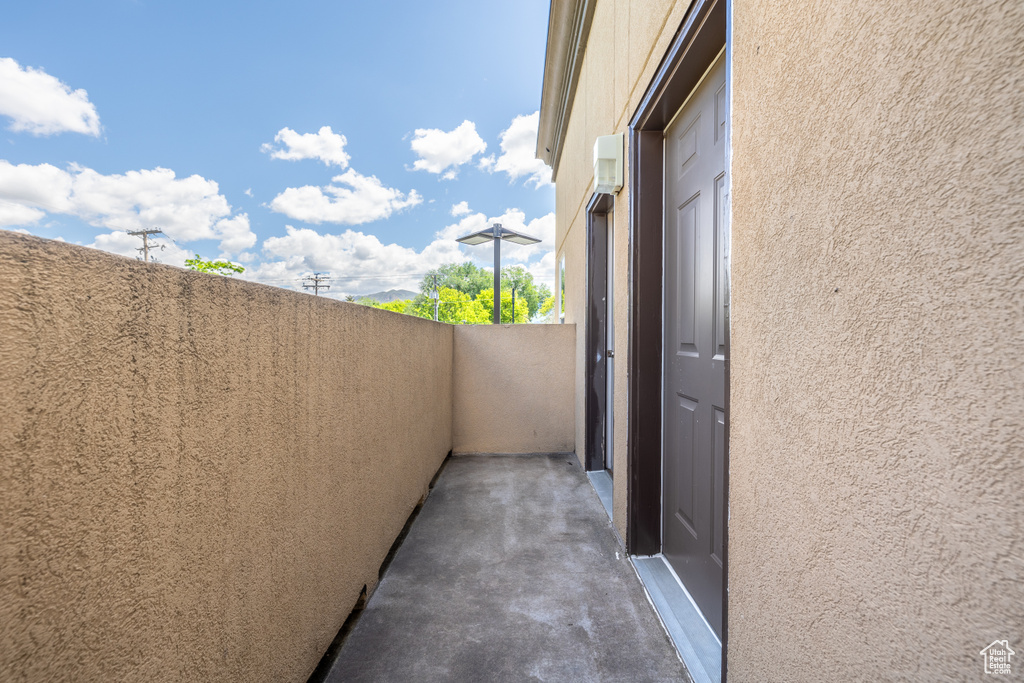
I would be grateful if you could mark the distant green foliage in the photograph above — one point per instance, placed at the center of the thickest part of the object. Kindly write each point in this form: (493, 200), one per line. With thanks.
(467, 296)
(397, 306)
(547, 307)
(454, 307)
(543, 294)
(400, 306)
(473, 280)
(218, 266)
(526, 289)
(486, 298)
(463, 277)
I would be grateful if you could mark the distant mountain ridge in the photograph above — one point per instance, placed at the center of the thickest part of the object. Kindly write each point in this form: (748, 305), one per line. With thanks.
(389, 296)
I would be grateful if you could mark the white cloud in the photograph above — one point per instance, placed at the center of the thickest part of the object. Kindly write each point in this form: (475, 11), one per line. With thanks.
(538, 258)
(36, 186)
(460, 209)
(40, 104)
(360, 263)
(518, 153)
(161, 251)
(542, 228)
(234, 234)
(364, 199)
(442, 152)
(325, 145)
(469, 223)
(184, 209)
(544, 270)
(18, 214)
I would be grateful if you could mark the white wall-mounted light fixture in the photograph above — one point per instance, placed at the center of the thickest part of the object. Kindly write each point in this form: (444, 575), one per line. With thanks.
(608, 163)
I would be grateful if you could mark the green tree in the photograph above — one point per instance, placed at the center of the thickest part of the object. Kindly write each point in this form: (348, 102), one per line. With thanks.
(486, 298)
(454, 307)
(544, 291)
(547, 309)
(406, 306)
(526, 290)
(400, 306)
(472, 280)
(216, 266)
(463, 277)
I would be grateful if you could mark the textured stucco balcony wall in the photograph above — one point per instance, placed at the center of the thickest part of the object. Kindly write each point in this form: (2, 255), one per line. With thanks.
(198, 474)
(877, 382)
(514, 389)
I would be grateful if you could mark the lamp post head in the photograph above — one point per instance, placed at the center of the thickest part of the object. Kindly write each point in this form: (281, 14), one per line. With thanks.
(496, 231)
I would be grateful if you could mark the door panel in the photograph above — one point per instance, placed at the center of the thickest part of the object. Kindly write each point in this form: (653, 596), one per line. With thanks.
(679, 469)
(683, 297)
(695, 330)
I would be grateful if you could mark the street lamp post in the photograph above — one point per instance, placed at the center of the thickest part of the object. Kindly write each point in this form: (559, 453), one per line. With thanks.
(496, 236)
(497, 233)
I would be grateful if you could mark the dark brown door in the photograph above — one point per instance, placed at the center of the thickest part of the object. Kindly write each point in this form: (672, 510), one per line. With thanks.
(598, 412)
(695, 327)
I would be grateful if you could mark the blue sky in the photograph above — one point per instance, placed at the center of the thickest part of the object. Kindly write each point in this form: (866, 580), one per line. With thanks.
(350, 137)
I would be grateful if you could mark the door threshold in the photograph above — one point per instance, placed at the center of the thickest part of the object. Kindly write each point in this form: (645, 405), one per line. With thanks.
(695, 641)
(602, 483)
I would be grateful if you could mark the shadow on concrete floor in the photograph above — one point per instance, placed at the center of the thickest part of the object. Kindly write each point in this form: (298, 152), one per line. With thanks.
(511, 572)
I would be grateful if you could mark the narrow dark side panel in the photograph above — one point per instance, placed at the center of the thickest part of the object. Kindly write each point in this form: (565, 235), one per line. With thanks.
(643, 532)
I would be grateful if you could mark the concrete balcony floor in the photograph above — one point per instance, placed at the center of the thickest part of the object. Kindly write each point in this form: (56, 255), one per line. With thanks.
(511, 572)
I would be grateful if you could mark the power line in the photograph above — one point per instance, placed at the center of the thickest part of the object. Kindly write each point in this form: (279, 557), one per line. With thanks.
(353, 278)
(396, 276)
(313, 282)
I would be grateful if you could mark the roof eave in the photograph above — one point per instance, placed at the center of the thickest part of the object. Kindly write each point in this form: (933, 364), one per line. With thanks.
(568, 29)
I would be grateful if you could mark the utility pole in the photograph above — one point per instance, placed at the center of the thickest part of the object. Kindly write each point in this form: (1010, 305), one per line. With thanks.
(144, 234)
(313, 282)
(513, 304)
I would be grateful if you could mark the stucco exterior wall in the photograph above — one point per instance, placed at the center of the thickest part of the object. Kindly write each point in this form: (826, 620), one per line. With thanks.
(877, 515)
(197, 474)
(627, 40)
(877, 380)
(513, 389)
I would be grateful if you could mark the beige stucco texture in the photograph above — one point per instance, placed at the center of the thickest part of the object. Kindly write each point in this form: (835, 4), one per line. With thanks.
(513, 389)
(877, 378)
(198, 475)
